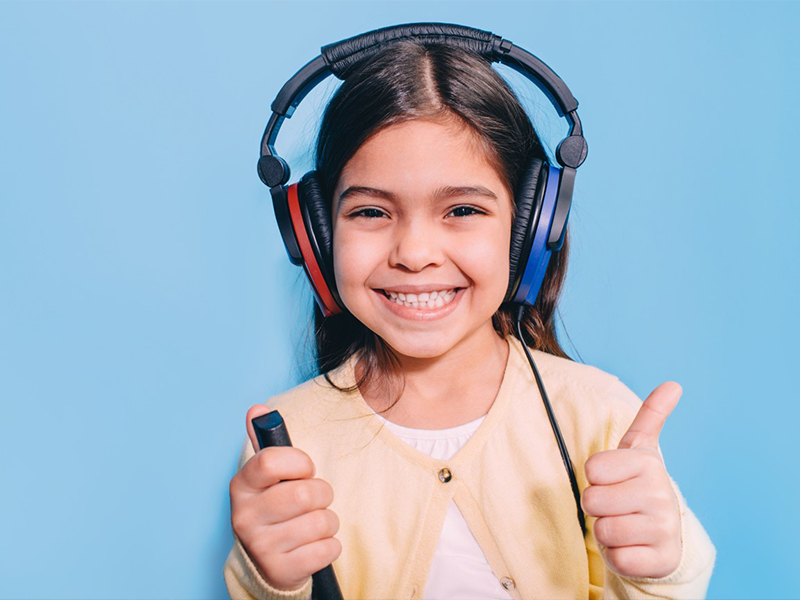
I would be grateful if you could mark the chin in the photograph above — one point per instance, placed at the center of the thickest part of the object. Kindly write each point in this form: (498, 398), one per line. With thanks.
(431, 346)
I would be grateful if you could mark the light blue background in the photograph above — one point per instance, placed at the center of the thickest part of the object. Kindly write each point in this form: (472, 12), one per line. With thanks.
(146, 300)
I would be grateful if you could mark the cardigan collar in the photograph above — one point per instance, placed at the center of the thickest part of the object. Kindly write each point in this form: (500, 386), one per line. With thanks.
(344, 376)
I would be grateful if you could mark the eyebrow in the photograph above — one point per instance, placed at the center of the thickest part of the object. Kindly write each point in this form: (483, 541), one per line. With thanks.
(447, 191)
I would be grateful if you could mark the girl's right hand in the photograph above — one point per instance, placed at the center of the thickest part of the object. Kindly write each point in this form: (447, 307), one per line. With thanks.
(279, 513)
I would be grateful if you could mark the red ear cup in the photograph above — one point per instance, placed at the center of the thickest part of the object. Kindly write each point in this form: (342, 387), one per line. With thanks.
(317, 214)
(314, 267)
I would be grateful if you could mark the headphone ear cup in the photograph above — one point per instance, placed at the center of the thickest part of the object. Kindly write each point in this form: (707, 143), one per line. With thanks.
(317, 216)
(528, 204)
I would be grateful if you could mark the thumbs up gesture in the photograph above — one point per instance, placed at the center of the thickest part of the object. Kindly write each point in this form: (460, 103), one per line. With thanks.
(630, 493)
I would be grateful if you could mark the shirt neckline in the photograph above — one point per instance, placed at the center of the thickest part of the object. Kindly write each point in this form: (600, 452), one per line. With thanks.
(432, 434)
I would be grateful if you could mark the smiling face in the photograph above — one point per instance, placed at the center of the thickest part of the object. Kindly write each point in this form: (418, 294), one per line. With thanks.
(421, 234)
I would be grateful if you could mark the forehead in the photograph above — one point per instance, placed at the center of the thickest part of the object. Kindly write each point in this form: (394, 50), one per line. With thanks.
(414, 157)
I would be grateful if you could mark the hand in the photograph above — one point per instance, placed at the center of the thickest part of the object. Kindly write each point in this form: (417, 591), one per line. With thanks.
(638, 520)
(279, 513)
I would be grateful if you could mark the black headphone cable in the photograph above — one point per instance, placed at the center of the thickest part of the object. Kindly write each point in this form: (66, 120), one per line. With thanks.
(562, 447)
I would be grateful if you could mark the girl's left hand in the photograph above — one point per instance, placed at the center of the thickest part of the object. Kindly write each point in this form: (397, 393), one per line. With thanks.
(638, 525)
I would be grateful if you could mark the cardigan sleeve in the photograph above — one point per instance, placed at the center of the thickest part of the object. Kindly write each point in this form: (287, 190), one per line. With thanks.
(242, 578)
(691, 578)
(244, 582)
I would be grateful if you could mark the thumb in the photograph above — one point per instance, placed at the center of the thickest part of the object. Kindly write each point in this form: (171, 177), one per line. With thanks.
(255, 411)
(652, 415)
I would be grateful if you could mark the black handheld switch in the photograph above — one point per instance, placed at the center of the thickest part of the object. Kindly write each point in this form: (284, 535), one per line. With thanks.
(271, 431)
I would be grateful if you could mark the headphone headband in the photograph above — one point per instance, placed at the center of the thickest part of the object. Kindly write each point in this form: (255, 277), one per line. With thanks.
(340, 58)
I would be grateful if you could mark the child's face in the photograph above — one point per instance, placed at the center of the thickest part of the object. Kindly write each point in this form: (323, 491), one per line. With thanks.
(419, 209)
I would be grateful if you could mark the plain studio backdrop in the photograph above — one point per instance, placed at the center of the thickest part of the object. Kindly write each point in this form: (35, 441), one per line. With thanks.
(146, 300)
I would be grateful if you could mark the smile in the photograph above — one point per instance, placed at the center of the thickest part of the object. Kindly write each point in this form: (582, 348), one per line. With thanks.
(424, 300)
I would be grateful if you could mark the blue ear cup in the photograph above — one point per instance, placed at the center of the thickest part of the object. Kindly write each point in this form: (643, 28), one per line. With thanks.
(535, 205)
(526, 211)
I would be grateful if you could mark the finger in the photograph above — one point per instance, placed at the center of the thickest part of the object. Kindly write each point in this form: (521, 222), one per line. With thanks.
(289, 499)
(638, 561)
(253, 412)
(305, 529)
(612, 500)
(290, 570)
(272, 465)
(652, 415)
(626, 530)
(314, 556)
(613, 466)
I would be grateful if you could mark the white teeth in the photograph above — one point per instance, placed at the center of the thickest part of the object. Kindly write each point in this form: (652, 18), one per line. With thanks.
(425, 300)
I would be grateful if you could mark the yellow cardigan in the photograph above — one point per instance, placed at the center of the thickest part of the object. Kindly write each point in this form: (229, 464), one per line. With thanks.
(508, 481)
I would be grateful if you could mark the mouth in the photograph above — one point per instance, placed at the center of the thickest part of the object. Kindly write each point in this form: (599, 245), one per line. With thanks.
(424, 300)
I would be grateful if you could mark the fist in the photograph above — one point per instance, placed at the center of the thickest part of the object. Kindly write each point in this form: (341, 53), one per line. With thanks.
(280, 513)
(630, 493)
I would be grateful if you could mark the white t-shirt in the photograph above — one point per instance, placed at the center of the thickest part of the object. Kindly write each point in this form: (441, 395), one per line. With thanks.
(459, 570)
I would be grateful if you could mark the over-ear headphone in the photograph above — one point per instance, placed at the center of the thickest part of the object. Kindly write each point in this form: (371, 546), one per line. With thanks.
(543, 197)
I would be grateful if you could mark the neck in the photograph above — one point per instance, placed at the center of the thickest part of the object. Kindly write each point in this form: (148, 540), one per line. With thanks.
(448, 390)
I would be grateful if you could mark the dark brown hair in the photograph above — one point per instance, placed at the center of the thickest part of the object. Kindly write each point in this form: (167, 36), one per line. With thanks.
(410, 80)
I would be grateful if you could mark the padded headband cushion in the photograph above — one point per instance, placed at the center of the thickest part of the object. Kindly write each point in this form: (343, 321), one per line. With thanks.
(319, 215)
(525, 202)
(342, 56)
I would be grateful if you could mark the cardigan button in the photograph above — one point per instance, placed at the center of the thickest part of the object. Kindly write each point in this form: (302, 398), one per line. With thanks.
(445, 475)
(508, 583)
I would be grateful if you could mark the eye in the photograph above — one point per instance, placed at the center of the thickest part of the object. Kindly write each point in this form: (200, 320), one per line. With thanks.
(367, 213)
(465, 211)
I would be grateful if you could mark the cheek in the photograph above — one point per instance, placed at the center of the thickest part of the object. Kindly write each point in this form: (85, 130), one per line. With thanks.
(352, 261)
(488, 259)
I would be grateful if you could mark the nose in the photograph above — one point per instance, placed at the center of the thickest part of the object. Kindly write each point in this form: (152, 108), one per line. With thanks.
(417, 245)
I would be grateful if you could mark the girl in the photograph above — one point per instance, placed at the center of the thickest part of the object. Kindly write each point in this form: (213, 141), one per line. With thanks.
(424, 463)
